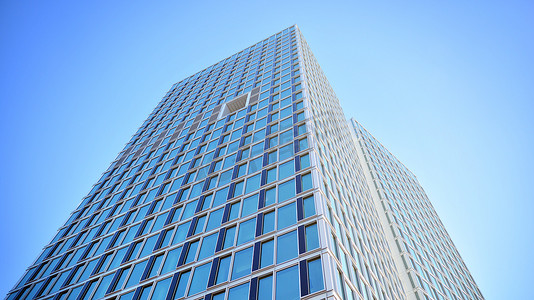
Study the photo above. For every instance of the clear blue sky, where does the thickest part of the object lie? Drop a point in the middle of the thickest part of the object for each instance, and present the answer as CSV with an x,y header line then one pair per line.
x,y
447,87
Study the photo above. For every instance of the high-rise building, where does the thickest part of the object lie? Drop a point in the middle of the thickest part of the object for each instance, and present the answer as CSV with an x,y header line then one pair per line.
x,y
247,182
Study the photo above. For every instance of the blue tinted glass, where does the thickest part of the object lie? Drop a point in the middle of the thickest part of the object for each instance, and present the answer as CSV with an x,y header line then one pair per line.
x,y
229,237
286,190
287,215
161,289
200,279
265,288
171,261
182,284
270,196
315,275
208,246
287,169
103,287
287,247
246,231
155,266
312,238
135,276
268,222
287,284
250,205
239,292
214,219
307,182
242,263
267,253
253,183
192,252
224,268
309,207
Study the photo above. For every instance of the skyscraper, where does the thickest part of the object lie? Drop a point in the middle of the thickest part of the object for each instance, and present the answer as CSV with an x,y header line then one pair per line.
x,y
247,182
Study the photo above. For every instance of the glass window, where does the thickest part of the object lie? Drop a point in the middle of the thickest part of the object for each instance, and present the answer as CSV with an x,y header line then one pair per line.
x,y
191,253
287,284
265,288
242,263
161,289
312,238
286,190
270,196
307,182
215,219
136,274
103,287
229,237
182,284
224,268
315,275
286,151
171,261
287,248
309,207
181,233
250,205
304,161
122,278
208,246
155,266
253,183
268,222
200,279
287,215
220,197
246,232
267,253
239,292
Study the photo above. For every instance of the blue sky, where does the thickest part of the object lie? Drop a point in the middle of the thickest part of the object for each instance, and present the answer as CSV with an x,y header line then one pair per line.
x,y
446,87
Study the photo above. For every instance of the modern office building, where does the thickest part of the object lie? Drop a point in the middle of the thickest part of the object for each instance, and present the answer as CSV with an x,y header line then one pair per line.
x,y
247,182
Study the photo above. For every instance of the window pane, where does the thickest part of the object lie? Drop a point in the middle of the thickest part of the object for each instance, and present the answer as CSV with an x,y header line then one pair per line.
x,y
200,279
246,231
171,260
242,263
215,219
253,183
239,292
287,169
265,288
286,151
287,215
136,274
268,222
208,246
229,237
315,275
287,284
250,205
161,289
155,266
267,253
224,268
286,190
270,196
312,238
309,207
182,284
287,247
307,182
191,253
103,287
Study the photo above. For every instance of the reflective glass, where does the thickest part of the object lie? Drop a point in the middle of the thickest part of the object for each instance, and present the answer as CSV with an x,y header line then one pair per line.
x,y
287,284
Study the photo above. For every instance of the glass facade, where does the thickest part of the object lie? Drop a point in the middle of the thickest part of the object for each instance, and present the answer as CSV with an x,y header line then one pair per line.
x,y
245,182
